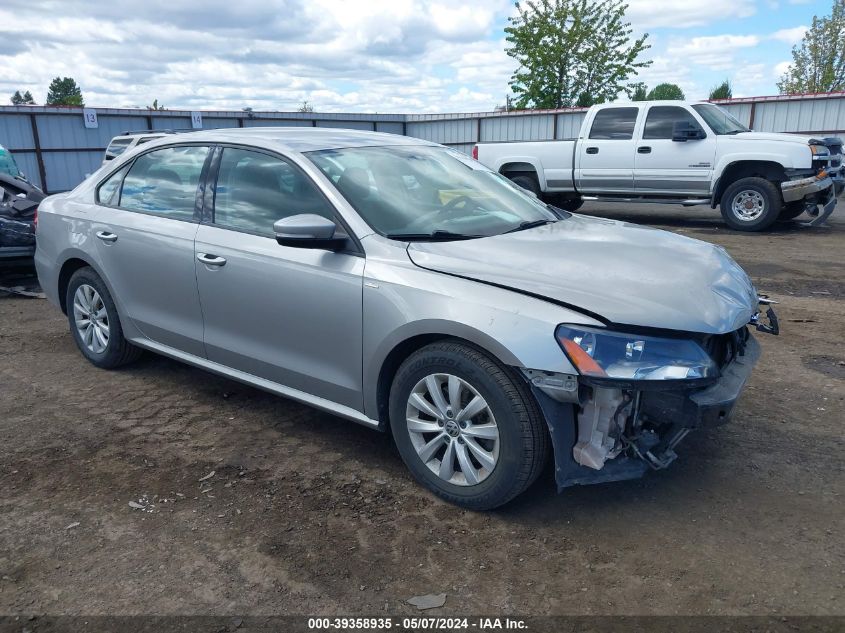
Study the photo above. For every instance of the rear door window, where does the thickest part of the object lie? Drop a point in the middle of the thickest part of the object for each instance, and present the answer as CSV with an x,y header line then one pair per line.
x,y
614,124
661,120
164,182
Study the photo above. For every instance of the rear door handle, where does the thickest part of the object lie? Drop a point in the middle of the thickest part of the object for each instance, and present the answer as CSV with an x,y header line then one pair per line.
x,y
106,236
645,149
592,150
211,260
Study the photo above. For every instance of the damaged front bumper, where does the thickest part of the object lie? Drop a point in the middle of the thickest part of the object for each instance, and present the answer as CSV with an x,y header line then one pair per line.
x,y
611,432
819,193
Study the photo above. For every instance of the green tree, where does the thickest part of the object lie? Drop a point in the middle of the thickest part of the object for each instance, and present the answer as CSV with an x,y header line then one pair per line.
x,y
722,91
666,91
64,91
22,99
155,106
638,91
305,107
818,62
571,52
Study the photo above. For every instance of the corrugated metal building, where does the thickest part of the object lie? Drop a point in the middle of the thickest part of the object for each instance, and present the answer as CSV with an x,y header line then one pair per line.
x,y
55,149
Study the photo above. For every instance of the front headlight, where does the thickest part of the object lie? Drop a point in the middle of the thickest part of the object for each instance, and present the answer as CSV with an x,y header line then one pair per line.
x,y
602,354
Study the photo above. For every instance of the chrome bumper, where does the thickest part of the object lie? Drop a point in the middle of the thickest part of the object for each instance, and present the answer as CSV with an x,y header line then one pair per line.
x,y
798,189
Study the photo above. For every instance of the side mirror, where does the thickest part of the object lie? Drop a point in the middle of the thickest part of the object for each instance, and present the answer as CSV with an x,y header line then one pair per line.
x,y
308,230
683,131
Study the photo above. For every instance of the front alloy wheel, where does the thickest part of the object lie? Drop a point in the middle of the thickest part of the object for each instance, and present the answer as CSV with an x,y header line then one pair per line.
x,y
453,429
468,428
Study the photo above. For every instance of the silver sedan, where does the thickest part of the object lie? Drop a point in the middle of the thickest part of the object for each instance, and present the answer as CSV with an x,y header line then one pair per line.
x,y
404,286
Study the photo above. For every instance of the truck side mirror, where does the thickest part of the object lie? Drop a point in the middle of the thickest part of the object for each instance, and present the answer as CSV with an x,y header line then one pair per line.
x,y
683,131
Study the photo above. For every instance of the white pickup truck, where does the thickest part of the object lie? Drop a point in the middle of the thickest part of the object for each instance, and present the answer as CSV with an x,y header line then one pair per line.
x,y
678,152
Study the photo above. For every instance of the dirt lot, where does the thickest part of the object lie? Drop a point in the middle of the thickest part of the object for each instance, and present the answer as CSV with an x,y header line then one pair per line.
x,y
309,514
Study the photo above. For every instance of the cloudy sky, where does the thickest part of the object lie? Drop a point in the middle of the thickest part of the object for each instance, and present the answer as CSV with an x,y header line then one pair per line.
x,y
357,55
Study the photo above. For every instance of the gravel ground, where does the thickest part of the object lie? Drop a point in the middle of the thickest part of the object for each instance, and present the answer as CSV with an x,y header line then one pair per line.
x,y
308,514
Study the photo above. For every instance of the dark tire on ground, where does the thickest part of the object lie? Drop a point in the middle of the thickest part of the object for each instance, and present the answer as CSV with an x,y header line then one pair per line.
x,y
527,181
791,210
523,435
751,204
118,351
568,204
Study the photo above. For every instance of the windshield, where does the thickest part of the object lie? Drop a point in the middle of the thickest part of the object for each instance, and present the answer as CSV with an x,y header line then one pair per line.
x,y
421,192
7,164
719,120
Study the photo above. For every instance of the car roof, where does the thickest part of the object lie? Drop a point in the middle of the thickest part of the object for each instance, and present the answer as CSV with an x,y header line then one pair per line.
x,y
297,139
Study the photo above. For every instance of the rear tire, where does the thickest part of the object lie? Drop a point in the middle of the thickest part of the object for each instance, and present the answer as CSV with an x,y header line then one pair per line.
x,y
751,204
441,447
528,182
94,322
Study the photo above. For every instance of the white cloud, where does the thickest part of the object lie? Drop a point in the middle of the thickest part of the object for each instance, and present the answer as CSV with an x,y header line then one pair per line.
x,y
645,14
790,36
716,52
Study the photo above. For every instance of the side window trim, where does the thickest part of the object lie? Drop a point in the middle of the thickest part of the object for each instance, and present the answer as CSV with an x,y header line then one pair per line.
x,y
636,119
210,197
199,195
686,113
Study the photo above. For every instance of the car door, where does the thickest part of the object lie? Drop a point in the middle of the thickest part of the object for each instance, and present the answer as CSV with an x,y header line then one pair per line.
x,y
605,158
286,314
145,242
668,167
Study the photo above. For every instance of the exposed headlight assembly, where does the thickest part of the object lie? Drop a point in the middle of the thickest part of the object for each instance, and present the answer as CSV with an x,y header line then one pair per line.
x,y
599,353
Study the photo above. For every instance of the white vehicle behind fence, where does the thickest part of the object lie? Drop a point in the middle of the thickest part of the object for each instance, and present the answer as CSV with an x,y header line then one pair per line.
x,y
678,152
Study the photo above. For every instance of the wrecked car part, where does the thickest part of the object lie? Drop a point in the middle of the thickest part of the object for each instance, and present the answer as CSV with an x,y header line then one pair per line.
x,y
622,428
561,387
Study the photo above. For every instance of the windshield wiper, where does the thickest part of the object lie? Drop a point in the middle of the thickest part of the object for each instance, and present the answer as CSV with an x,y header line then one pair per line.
x,y
434,236
529,225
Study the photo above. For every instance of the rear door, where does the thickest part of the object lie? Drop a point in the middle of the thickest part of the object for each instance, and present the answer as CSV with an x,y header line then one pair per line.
x,y
289,315
667,167
145,241
605,158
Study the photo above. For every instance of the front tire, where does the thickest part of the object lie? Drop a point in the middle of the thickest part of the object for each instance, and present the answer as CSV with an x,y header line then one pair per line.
x,y
751,204
466,428
94,322
792,210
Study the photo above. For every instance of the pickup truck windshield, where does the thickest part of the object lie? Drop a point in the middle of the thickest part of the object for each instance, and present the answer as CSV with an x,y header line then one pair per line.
x,y
719,120
420,192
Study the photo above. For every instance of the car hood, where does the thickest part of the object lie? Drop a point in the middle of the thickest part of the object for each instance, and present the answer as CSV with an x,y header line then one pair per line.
x,y
624,273
772,136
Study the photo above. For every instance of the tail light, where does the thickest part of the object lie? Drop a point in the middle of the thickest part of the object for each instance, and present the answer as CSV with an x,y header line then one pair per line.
x,y
35,220
475,152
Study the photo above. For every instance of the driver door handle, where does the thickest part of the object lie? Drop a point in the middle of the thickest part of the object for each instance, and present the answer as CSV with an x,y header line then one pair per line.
x,y
592,150
106,236
644,149
211,260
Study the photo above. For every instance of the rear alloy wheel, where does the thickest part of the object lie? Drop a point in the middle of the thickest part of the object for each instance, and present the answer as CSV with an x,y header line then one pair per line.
x,y
751,204
468,430
94,322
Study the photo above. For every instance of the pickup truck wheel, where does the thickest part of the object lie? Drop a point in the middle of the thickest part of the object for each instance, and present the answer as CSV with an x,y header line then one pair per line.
x,y
792,210
571,204
751,204
527,181
94,322
466,428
